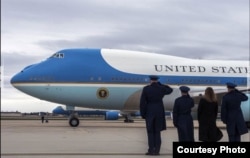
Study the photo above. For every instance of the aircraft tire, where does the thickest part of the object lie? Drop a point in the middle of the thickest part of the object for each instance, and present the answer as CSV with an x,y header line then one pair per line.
x,y
74,122
128,121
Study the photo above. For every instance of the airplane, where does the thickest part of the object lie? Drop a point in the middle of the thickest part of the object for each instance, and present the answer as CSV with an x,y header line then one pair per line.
x,y
113,79
108,114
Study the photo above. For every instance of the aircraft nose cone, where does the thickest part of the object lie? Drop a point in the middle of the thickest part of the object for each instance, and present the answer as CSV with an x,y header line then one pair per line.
x,y
16,79
22,76
13,80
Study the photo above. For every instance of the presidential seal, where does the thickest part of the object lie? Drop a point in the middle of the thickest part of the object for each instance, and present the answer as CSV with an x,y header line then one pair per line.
x,y
102,93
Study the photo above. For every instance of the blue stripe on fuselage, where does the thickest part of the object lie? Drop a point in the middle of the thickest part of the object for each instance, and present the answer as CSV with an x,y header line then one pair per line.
x,y
88,65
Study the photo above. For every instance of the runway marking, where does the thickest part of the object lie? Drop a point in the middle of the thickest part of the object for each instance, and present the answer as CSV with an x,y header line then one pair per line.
x,y
75,154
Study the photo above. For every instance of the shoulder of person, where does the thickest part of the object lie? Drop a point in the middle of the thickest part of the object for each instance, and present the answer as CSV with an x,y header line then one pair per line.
x,y
179,98
228,94
207,101
203,99
147,86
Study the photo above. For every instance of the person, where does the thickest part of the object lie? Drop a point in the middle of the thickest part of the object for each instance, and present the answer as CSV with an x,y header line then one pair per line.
x,y
152,110
207,115
47,117
182,118
42,116
231,113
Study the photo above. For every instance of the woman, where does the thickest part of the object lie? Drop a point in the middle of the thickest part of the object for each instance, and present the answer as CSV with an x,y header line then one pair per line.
x,y
207,114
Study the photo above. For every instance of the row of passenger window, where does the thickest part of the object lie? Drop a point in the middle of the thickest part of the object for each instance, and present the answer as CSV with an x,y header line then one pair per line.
x,y
169,81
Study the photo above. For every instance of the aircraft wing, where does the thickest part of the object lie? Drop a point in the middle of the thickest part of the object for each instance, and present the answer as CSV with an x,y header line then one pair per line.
x,y
196,95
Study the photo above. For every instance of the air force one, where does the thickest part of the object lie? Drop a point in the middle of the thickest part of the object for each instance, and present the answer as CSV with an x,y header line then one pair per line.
x,y
113,79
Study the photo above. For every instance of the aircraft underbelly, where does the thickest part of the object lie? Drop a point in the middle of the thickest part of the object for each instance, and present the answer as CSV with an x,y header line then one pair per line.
x,y
83,96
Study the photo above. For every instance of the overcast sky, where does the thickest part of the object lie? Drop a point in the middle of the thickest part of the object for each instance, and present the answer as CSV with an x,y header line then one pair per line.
x,y
32,30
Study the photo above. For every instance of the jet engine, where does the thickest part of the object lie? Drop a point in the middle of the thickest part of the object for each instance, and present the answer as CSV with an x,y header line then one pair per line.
x,y
112,115
245,107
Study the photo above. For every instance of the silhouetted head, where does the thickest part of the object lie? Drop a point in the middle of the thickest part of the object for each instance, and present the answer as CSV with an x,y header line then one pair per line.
x,y
210,95
153,78
231,85
184,89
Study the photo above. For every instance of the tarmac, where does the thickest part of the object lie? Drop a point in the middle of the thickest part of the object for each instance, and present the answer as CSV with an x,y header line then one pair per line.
x,y
91,139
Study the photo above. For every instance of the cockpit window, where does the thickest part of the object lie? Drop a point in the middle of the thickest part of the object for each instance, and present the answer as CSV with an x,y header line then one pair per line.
x,y
58,55
61,55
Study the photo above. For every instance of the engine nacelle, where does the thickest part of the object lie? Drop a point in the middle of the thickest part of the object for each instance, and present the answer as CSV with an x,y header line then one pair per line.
x,y
245,107
60,111
112,115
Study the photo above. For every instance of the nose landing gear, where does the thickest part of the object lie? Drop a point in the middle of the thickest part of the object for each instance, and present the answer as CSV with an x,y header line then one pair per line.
x,y
73,120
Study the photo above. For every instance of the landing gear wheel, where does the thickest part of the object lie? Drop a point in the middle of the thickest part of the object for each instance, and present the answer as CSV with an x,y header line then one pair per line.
x,y
74,122
128,121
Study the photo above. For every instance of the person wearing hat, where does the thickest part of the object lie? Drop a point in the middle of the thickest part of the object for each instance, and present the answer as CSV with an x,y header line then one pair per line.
x,y
182,118
231,113
152,110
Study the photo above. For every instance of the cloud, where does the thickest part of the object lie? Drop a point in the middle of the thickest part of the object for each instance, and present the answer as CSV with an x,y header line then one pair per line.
x,y
208,29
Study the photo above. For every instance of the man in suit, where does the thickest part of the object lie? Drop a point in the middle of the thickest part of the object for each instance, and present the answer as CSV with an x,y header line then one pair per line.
x,y
231,113
152,110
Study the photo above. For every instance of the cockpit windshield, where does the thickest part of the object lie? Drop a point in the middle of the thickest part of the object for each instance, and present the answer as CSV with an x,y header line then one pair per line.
x,y
57,55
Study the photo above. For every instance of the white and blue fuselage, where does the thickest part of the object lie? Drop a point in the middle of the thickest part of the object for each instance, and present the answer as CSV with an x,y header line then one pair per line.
x,y
113,79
